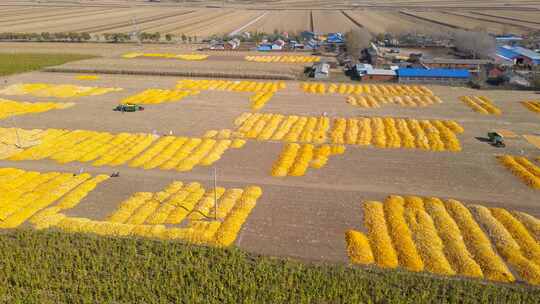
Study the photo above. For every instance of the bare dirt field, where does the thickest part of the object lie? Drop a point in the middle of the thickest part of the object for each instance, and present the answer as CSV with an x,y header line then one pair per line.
x,y
306,216
292,16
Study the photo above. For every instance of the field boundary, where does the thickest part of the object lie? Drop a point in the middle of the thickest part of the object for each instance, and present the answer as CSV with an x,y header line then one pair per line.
x,y
174,74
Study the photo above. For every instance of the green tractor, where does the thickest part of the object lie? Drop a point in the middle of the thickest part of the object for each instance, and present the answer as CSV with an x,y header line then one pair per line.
x,y
128,107
496,140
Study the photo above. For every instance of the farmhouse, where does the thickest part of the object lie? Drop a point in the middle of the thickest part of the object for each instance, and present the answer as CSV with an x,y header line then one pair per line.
x,y
442,76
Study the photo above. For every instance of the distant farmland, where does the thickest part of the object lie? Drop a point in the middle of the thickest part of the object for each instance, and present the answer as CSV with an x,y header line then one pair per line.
x,y
165,18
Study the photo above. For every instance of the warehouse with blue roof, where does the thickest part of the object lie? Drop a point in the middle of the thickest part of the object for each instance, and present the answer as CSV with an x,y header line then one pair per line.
x,y
517,55
442,76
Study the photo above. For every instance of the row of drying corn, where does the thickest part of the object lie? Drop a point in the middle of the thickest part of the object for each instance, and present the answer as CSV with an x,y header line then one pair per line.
x,y
55,90
156,96
11,108
295,159
137,150
383,90
446,237
230,85
87,77
190,206
24,193
370,101
533,106
190,57
279,127
14,140
523,168
283,59
260,99
382,132
481,104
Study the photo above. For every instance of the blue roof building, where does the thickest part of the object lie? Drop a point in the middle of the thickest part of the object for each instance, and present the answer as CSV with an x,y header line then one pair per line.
x,y
517,55
445,76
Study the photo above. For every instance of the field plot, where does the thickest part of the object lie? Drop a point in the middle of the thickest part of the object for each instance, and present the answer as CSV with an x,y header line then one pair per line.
x,y
292,21
331,21
445,237
377,21
465,22
530,18
512,26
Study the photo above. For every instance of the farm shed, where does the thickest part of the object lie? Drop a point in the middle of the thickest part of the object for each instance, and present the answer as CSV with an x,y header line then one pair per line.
x,y
320,70
442,76
518,55
379,75
469,64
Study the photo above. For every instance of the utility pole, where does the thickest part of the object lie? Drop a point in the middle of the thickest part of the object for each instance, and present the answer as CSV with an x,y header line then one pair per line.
x,y
215,194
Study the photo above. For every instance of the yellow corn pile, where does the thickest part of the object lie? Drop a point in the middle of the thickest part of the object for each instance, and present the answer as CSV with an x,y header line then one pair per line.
x,y
374,90
374,101
190,57
523,168
103,148
55,90
445,237
13,140
533,106
156,96
188,210
481,104
382,132
24,193
260,99
87,77
11,108
295,159
283,59
230,85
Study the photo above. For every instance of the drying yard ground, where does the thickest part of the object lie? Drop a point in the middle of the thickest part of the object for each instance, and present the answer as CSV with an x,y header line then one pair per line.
x,y
292,16
304,217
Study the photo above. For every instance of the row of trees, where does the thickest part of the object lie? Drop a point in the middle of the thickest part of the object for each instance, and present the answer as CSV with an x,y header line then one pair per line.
x,y
83,37
476,43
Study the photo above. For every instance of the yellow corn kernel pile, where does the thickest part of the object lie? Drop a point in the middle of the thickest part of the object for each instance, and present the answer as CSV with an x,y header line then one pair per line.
x,y
523,168
284,59
138,149
295,159
14,140
382,132
190,57
55,90
481,104
188,210
87,77
260,99
11,108
445,237
156,96
230,85
533,106
374,90
24,193
371,101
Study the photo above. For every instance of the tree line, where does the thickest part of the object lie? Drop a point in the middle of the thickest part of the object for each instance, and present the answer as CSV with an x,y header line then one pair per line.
x,y
86,37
